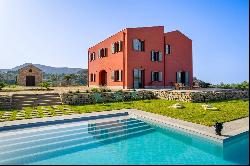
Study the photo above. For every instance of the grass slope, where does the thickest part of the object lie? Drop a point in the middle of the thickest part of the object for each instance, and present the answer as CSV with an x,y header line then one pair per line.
x,y
193,112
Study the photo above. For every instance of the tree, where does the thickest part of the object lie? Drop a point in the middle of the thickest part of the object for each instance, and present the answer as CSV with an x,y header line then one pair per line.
x,y
69,77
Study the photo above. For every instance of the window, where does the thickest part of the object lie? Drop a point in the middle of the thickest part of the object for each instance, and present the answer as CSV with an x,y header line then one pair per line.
x,y
156,56
116,47
92,77
116,75
103,52
156,76
167,49
30,70
138,45
92,56
182,77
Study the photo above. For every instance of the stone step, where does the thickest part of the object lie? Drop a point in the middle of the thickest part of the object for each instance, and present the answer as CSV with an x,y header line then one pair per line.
x,y
46,98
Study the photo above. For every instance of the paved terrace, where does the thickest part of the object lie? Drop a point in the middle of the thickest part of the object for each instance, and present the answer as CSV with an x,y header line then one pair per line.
x,y
230,129
38,90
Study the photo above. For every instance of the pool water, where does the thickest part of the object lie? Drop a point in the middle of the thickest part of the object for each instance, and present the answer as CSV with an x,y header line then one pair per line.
x,y
120,141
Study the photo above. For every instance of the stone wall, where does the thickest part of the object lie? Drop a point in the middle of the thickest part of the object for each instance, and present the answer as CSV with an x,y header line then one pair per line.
x,y
29,70
90,98
5,102
201,96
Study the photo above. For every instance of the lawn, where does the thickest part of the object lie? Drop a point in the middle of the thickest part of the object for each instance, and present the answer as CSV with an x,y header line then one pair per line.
x,y
193,112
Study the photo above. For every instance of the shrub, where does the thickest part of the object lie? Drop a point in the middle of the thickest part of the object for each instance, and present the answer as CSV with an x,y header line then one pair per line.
x,y
45,85
94,90
2,85
108,90
241,86
104,90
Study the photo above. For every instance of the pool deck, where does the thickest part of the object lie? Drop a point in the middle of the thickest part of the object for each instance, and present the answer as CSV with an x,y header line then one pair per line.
x,y
230,130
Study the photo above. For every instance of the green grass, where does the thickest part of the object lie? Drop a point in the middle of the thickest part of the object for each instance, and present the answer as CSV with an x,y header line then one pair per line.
x,y
193,112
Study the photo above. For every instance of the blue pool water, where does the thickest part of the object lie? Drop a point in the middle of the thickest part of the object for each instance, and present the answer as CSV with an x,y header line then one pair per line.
x,y
128,141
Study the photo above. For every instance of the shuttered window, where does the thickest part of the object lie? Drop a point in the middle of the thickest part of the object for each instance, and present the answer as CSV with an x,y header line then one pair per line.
x,y
138,45
156,76
116,75
102,52
156,56
92,56
116,47
92,77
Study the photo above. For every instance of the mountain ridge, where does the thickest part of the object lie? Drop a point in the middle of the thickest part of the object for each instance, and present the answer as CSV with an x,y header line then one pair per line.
x,y
47,69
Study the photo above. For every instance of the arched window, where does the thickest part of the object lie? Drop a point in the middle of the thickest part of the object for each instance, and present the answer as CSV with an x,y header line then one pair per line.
x,y
30,70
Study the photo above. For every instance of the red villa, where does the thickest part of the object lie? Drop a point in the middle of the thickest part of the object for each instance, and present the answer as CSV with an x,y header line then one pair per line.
x,y
143,57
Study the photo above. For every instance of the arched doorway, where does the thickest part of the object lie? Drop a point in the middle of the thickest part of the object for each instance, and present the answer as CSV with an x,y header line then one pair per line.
x,y
103,78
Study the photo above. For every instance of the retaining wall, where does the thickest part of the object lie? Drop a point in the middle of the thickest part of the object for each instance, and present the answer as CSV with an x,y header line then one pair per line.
x,y
201,96
5,102
90,98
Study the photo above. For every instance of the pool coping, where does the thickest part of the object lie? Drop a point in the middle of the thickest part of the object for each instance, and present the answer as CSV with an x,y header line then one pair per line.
x,y
231,129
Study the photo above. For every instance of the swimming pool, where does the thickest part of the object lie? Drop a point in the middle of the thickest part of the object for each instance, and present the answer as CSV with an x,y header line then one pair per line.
x,y
117,141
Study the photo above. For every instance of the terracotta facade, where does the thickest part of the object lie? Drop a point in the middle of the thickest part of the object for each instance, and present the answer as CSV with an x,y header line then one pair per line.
x,y
160,60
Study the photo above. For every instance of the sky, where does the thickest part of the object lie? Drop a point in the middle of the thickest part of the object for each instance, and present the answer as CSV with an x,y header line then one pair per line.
x,y
59,32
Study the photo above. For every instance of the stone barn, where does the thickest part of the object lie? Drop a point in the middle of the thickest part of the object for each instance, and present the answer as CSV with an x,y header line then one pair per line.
x,y
29,76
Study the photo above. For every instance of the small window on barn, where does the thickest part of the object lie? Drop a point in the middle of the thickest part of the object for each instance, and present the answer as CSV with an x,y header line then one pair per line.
x,y
30,70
